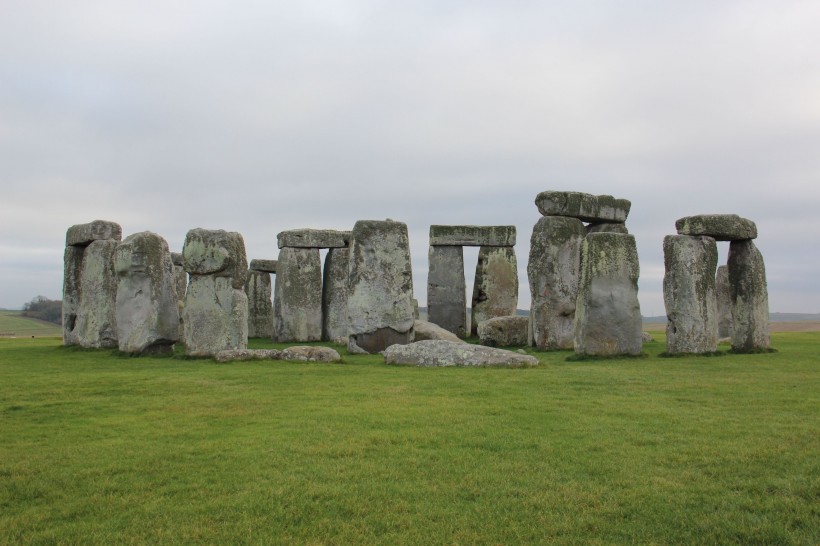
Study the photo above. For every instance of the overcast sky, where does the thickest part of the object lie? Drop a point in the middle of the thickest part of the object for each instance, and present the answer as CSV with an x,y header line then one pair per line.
x,y
263,116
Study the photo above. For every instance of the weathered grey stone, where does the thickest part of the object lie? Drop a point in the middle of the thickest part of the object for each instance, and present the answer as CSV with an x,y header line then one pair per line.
x,y
181,280
472,235
380,293
446,289
608,315
72,275
297,300
96,323
583,206
147,307
750,297
313,238
311,354
265,266
98,230
215,316
554,270
334,294
723,294
415,308
689,294
216,252
495,288
427,330
451,353
176,258
607,227
248,354
260,308
721,227
504,331
646,337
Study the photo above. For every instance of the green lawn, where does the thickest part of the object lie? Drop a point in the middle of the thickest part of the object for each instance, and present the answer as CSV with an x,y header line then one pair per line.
x,y
97,448
13,324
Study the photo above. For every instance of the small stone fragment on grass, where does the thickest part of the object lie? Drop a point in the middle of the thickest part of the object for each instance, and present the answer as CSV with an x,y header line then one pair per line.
x,y
247,354
434,353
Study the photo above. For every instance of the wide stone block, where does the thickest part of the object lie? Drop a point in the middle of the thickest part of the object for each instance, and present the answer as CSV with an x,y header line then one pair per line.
x,y
96,322
583,206
554,270
216,252
334,294
215,316
313,238
176,258
721,227
504,331
297,300
689,294
260,306
608,315
750,297
607,227
495,288
472,235
723,294
434,353
265,266
446,289
98,230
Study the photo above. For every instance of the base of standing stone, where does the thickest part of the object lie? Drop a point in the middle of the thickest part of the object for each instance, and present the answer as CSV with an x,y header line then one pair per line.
x,y
374,342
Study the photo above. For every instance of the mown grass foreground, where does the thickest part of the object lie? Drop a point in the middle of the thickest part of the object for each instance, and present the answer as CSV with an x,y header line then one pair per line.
x,y
99,449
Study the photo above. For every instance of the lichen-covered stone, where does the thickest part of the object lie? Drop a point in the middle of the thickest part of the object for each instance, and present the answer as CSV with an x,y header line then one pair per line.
x,y
723,294
554,270
495,288
446,289
472,235
380,293
215,316
310,354
297,299
434,353
750,297
265,266
98,230
176,258
260,307
689,294
583,206
147,307
96,323
334,294
72,275
509,331
247,354
427,330
721,227
216,252
608,315
607,227
313,238
181,280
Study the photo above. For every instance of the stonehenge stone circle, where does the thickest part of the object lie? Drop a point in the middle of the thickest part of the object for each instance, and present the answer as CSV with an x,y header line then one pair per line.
x,y
147,306
749,297
297,301
608,315
436,353
721,227
215,314
585,207
495,288
380,293
504,331
689,294
723,294
334,294
446,289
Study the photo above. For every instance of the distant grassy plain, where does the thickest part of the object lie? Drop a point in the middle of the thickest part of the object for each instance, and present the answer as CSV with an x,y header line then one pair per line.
x,y
97,448
14,324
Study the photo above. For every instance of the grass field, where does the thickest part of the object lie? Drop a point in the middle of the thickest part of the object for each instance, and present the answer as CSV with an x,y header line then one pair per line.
x,y
97,448
13,324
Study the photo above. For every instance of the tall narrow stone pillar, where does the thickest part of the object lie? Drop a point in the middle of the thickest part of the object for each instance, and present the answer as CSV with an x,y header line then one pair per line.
x,y
446,289
258,290
750,297
495,289
297,299
724,302
334,294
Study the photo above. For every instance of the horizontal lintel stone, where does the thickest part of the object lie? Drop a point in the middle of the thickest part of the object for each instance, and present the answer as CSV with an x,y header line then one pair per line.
x,y
721,227
313,238
583,206
472,235
266,266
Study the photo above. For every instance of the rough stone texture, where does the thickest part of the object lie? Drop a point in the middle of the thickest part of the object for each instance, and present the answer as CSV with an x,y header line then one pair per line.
x,y
72,273
472,235
427,330
451,353
750,297
147,307
721,227
98,230
689,294
723,294
181,281
446,289
583,206
554,270
380,293
495,288
96,322
176,259
215,316
607,227
265,266
260,307
334,294
608,315
504,331
313,238
248,354
297,300
216,252
646,337
310,354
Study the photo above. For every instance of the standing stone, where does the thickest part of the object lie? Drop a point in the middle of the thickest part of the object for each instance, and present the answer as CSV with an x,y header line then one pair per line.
x,y
749,296
689,294
181,278
495,288
297,299
446,289
216,307
380,293
608,315
260,308
72,275
554,269
724,302
147,306
334,294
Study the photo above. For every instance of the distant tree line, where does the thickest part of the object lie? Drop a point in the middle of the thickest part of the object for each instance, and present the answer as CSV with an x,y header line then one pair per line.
x,y
42,308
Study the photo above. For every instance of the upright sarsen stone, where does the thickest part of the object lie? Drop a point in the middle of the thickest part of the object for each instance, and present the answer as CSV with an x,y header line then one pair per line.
x,y
334,294
495,288
446,289
297,299
260,308
723,294
608,315
750,297
72,277
380,293
689,294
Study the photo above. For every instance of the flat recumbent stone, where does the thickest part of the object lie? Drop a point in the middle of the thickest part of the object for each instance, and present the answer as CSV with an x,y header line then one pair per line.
x,y
583,206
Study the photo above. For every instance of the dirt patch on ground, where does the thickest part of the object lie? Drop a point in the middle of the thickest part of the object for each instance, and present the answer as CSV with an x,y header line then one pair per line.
x,y
798,326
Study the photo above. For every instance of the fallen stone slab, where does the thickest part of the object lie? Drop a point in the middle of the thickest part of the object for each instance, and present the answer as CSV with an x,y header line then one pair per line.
x,y
313,238
434,353
310,354
472,235
98,230
265,266
721,227
427,330
504,331
231,355
583,206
